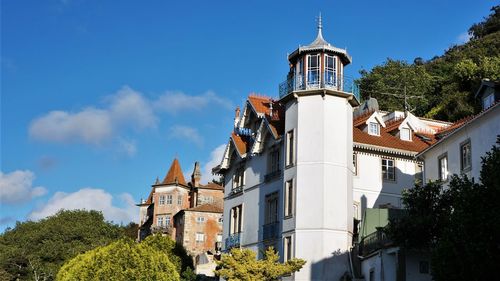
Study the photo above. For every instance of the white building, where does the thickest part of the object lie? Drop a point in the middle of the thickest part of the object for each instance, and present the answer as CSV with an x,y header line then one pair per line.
x,y
299,171
461,146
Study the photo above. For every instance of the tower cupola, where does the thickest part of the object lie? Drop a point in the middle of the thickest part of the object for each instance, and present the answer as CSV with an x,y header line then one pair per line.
x,y
319,65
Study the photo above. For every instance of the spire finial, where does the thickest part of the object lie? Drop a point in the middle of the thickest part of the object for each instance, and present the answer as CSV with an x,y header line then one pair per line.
x,y
320,24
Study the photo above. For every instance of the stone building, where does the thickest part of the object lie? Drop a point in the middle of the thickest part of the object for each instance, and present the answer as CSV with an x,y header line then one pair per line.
x,y
188,212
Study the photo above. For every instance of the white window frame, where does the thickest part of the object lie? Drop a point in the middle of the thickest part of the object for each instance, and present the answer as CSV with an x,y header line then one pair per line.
x,y
159,221
236,220
374,129
168,220
405,134
179,199
443,171
331,71
311,70
289,198
200,219
465,156
169,199
287,248
386,175
290,148
200,237
239,177
161,200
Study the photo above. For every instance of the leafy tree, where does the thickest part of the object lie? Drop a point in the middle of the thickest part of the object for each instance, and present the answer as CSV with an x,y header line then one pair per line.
x,y
36,250
176,252
459,225
121,260
241,264
446,84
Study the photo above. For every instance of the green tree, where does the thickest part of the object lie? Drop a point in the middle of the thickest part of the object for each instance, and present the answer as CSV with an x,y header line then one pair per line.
x,y
121,260
36,250
241,264
459,225
176,252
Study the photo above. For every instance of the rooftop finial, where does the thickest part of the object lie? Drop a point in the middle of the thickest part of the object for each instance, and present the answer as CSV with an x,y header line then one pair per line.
x,y
320,24
319,38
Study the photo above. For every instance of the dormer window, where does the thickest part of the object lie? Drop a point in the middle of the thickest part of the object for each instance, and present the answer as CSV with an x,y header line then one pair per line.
x,y
374,129
405,134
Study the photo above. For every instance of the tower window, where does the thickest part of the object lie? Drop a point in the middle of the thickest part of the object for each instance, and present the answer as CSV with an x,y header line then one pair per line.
x,y
330,71
374,129
313,70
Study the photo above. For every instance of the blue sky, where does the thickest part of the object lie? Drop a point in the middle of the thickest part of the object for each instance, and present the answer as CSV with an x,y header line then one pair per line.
x,y
98,97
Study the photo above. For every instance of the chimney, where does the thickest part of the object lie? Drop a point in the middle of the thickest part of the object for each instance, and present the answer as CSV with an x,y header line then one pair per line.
x,y
236,116
196,176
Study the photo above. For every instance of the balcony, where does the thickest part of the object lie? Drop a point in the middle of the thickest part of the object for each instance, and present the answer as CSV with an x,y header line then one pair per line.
x,y
233,240
271,231
236,190
373,242
327,80
163,229
272,175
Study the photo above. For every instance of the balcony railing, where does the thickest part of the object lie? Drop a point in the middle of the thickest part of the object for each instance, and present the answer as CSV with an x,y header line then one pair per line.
x,y
236,190
233,240
326,80
271,230
161,229
272,175
374,241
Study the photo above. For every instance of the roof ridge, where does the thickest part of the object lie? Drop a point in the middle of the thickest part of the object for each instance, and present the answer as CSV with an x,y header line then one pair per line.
x,y
174,174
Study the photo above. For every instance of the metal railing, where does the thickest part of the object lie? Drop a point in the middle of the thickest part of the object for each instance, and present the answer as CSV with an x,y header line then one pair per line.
x,y
236,190
326,80
270,230
374,241
233,240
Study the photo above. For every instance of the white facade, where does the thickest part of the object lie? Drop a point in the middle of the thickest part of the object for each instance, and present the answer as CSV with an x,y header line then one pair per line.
x,y
481,133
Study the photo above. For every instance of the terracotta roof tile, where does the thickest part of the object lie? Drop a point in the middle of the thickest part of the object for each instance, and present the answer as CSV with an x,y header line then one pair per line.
x,y
212,185
174,174
387,140
242,143
393,124
211,208
360,120
262,105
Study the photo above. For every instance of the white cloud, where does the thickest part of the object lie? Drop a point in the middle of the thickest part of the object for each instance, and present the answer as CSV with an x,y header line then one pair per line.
x,y
186,133
92,125
17,187
464,37
89,199
127,146
174,102
215,159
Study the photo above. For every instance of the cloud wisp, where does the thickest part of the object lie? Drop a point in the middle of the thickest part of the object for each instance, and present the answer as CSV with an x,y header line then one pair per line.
x,y
186,133
17,187
175,102
89,199
215,159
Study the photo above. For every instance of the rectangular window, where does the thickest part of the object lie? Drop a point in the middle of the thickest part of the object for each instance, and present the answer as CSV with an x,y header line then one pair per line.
x,y
169,199
466,157
355,163
287,248
443,167
219,237
200,219
167,220
271,209
419,173
239,177
236,219
159,221
330,70
299,80
388,169
274,161
405,134
200,237
313,70
161,201
424,267
289,195
179,199
374,129
290,148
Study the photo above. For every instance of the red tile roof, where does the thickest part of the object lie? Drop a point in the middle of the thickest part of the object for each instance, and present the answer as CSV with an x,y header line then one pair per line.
x,y
211,208
242,143
360,120
262,105
393,124
174,174
389,141
212,185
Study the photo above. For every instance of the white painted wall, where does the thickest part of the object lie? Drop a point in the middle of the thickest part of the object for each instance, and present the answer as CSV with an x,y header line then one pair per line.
x,y
482,133
370,190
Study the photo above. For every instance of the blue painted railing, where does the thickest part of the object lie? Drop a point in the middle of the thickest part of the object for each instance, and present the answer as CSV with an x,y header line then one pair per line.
x,y
233,240
327,80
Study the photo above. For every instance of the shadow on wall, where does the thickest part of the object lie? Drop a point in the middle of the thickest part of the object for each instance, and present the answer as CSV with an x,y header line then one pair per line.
x,y
338,262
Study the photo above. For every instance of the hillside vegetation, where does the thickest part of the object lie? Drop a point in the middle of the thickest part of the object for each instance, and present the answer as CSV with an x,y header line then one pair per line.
x,y
444,86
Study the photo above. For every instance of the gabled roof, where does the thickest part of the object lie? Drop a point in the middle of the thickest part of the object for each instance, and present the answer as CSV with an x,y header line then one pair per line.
x,y
174,175
386,140
242,143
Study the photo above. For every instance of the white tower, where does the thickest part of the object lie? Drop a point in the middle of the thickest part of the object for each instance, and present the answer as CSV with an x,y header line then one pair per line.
x,y
318,156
